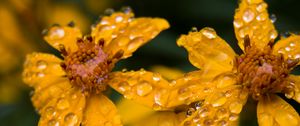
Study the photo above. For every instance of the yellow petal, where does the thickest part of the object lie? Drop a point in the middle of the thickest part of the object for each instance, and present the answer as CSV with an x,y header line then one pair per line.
x,y
40,68
252,18
222,107
121,31
48,90
274,111
296,81
100,111
289,47
63,35
161,119
152,90
207,51
131,111
64,110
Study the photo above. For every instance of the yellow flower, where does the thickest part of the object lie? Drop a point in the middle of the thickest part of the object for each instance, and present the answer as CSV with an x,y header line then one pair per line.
x,y
219,90
69,91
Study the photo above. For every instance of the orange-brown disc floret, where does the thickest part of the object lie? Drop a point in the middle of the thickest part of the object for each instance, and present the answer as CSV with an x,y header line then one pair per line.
x,y
88,67
262,72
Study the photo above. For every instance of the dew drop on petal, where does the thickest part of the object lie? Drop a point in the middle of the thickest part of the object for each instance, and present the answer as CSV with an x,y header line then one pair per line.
x,y
238,23
261,7
233,117
53,122
219,100
157,106
194,29
292,44
58,33
156,77
235,107
40,74
119,18
123,86
208,122
204,111
50,112
297,56
273,18
143,88
287,49
273,34
223,123
261,17
41,64
222,113
62,103
190,111
248,15
209,33
71,119
128,95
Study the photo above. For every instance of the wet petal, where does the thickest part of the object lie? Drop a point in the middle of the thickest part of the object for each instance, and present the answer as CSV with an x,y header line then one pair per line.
x,y
296,81
121,31
154,91
252,18
64,110
283,114
63,35
40,68
161,119
289,47
100,111
208,51
220,108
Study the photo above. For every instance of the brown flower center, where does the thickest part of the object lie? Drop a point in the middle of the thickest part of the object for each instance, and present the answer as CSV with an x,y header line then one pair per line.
x,y
262,72
88,67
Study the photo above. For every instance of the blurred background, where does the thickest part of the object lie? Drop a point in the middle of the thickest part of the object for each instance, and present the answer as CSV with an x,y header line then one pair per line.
x,y
22,22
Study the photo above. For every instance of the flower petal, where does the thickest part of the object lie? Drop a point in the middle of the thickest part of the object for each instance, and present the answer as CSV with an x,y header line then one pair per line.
x,y
296,81
121,31
65,109
63,35
222,107
289,47
100,111
40,68
252,18
208,51
273,111
152,90
161,119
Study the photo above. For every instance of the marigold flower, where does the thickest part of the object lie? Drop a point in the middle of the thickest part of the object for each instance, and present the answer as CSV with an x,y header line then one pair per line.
x,y
69,91
219,90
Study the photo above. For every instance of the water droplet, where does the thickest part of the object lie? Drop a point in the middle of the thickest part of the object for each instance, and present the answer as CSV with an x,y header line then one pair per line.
x,y
262,17
109,11
128,94
225,80
222,113
126,9
237,23
273,18
261,7
285,118
190,111
156,77
292,44
235,107
297,56
287,49
57,33
223,123
71,119
53,122
62,103
50,112
248,15
157,106
204,111
244,31
123,86
194,29
209,33
233,117
119,18
208,122
40,74
143,88
41,64
273,34
219,100
199,104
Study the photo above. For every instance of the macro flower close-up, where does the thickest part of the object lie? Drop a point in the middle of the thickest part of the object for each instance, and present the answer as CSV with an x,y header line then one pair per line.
x,y
71,91
218,91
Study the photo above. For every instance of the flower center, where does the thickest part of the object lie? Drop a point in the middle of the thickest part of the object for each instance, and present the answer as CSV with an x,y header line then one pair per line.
x,y
262,72
88,67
